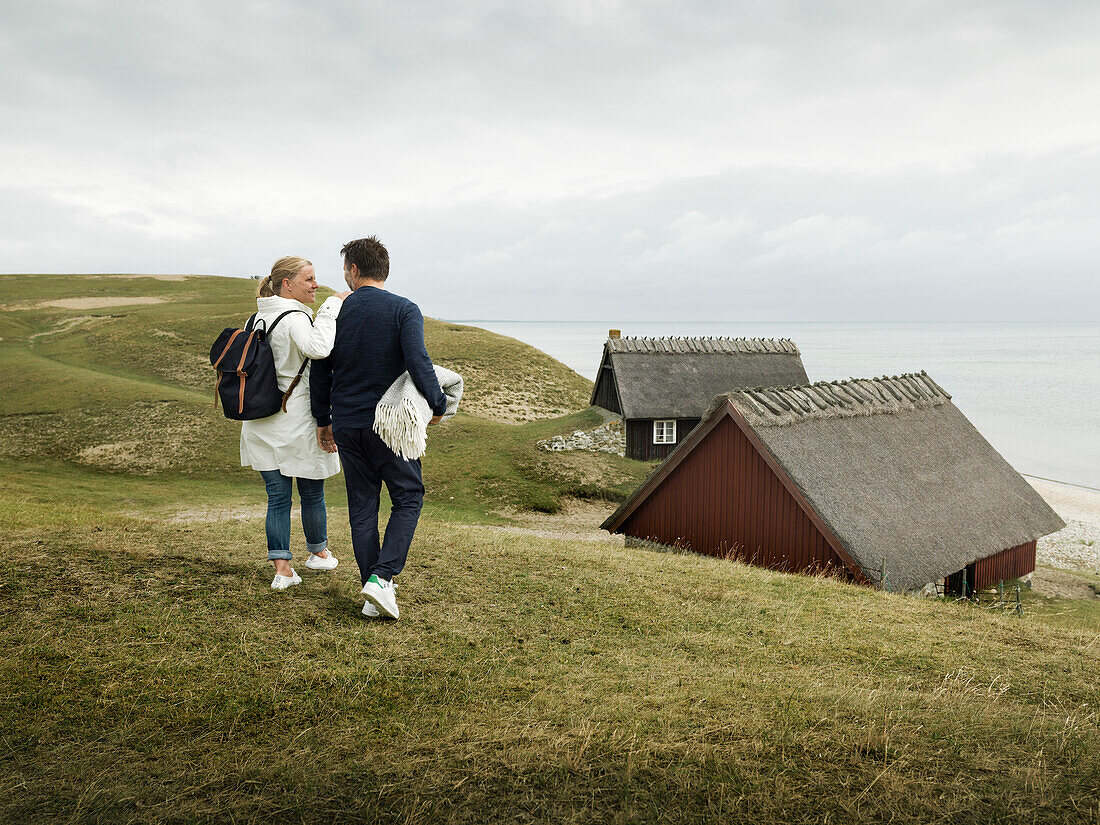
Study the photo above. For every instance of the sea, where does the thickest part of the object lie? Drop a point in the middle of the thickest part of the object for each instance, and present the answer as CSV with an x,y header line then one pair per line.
x,y
1030,389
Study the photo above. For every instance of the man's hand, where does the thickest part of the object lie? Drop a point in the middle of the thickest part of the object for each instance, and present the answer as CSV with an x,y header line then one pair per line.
x,y
325,439
435,419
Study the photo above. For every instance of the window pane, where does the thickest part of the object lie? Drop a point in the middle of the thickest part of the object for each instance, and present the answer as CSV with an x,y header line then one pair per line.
x,y
664,432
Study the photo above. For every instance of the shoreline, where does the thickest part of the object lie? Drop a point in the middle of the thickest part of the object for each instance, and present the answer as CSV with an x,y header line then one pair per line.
x,y
1074,502
1076,547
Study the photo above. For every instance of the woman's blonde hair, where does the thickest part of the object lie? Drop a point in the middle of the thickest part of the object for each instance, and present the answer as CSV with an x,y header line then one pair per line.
x,y
282,270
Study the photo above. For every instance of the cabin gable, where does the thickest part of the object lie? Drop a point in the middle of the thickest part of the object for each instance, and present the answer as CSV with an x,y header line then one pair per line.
x,y
723,499
605,392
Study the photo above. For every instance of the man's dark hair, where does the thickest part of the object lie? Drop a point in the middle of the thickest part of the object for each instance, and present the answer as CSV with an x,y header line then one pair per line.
x,y
370,256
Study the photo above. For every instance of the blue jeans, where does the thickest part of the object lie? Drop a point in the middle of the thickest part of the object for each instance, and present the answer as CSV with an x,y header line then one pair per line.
x,y
280,490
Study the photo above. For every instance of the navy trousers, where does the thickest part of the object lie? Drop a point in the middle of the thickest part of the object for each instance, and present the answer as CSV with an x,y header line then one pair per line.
x,y
367,463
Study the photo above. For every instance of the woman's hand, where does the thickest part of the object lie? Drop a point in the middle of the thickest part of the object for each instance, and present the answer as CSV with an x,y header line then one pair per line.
x,y
344,294
325,439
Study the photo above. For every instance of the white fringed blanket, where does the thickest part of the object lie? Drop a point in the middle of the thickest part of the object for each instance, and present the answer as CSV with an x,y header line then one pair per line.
x,y
402,415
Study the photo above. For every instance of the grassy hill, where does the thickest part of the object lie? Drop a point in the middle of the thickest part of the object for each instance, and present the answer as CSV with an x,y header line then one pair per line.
x,y
150,674
111,374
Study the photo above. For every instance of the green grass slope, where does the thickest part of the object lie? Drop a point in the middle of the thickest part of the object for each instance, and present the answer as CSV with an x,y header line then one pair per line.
x,y
110,375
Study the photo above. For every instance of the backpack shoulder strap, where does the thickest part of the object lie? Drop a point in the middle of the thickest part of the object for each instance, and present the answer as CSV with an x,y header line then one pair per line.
x,y
294,383
282,315
301,369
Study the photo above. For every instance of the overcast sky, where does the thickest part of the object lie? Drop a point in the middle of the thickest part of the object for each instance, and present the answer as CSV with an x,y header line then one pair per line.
x,y
571,159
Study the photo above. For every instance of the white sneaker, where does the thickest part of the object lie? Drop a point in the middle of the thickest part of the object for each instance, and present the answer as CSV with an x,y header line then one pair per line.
x,y
381,593
370,611
283,582
315,562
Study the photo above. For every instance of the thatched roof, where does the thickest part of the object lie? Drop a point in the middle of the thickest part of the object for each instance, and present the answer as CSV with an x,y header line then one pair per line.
x,y
836,399
678,377
703,345
894,471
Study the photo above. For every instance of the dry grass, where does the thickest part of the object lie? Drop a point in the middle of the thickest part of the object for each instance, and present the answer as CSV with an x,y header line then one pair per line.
x,y
153,676
505,380
142,438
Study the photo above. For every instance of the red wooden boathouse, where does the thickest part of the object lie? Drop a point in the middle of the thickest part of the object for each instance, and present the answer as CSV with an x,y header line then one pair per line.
x,y
853,477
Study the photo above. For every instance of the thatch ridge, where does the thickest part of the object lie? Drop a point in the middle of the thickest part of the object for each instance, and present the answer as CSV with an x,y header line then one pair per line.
x,y
707,344
782,406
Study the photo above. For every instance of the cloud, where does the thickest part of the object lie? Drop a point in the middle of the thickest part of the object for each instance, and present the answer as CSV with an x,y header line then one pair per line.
x,y
560,156
816,236
1059,204
695,235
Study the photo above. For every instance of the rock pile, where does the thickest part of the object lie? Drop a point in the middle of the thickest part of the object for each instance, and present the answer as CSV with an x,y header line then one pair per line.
x,y
607,438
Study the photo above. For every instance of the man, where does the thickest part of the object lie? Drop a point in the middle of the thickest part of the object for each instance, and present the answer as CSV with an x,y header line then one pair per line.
x,y
379,336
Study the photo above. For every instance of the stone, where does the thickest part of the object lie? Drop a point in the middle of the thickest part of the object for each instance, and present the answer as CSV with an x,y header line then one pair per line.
x,y
607,438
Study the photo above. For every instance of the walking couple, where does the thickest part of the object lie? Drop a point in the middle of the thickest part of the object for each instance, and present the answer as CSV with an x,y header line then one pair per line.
x,y
362,342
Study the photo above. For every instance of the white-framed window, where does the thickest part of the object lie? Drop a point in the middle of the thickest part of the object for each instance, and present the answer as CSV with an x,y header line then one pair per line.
x,y
664,432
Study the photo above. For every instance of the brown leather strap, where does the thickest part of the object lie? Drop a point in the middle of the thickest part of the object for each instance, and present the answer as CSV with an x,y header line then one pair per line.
x,y
241,374
294,383
228,344
218,383
244,352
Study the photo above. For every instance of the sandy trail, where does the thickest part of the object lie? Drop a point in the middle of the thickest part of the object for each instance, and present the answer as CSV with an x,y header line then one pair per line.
x,y
100,303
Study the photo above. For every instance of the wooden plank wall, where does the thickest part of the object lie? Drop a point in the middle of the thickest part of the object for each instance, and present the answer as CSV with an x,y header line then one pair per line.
x,y
1008,564
606,394
639,438
724,500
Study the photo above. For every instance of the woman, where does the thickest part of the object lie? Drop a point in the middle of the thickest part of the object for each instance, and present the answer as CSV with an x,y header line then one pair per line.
x,y
283,446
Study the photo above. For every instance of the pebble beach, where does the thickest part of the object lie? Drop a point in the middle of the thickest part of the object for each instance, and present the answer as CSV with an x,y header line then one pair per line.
x,y
1076,548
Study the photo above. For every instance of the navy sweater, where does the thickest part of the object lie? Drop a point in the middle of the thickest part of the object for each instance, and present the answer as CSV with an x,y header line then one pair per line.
x,y
379,336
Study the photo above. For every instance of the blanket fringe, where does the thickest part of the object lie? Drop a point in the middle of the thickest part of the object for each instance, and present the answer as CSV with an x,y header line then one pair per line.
x,y
400,428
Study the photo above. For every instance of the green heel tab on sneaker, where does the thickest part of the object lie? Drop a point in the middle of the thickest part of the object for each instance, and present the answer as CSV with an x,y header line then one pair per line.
x,y
375,579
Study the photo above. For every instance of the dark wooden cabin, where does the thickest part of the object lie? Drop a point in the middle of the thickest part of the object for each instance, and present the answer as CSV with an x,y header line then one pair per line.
x,y
854,477
662,386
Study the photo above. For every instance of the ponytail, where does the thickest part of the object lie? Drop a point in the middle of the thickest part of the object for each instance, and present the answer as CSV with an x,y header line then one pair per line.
x,y
282,270
264,290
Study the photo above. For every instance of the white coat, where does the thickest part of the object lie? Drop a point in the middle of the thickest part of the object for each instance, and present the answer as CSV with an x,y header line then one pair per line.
x,y
287,441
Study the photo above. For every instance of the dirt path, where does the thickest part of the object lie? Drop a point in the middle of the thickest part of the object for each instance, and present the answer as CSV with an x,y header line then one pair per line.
x,y
99,303
578,520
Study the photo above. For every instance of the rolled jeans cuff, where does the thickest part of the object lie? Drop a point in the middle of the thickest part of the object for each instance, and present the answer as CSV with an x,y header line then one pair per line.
x,y
317,549
272,555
